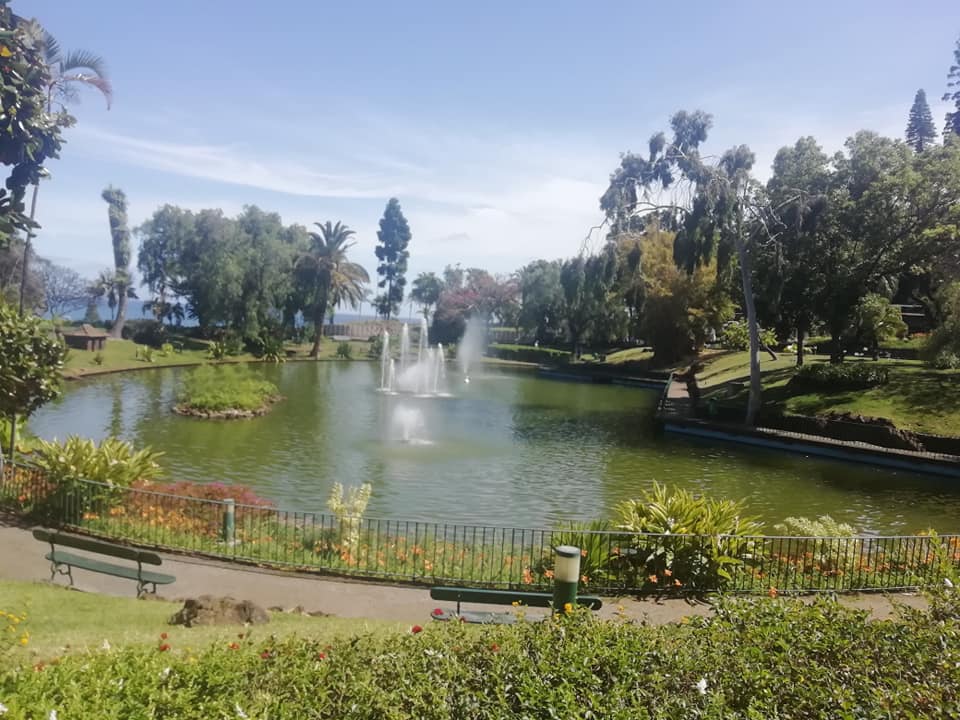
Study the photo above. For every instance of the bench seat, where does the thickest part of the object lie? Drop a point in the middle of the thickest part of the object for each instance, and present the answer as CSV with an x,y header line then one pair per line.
x,y
59,557
496,597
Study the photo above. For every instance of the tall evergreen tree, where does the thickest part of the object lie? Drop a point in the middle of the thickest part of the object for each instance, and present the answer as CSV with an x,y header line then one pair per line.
x,y
921,132
393,238
120,235
953,81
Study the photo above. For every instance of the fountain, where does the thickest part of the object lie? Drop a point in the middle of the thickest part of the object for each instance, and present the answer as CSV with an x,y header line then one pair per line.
x,y
471,347
425,375
407,425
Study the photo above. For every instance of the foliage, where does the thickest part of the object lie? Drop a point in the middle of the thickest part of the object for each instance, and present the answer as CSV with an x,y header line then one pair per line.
x,y
875,320
148,332
952,125
32,360
426,291
30,133
113,462
327,277
348,507
824,551
671,559
542,300
944,342
272,349
736,336
98,358
945,360
376,347
145,353
225,387
393,237
13,631
831,377
921,132
753,659
344,351
218,350
63,289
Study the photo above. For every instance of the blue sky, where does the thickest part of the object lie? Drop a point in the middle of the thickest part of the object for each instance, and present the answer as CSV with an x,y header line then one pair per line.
x,y
495,124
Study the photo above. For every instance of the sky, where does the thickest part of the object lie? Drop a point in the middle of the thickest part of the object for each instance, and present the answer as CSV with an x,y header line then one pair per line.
x,y
495,124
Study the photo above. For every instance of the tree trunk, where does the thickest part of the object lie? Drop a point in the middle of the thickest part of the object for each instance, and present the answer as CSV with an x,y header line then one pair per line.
x,y
756,388
25,265
13,439
801,333
116,330
318,318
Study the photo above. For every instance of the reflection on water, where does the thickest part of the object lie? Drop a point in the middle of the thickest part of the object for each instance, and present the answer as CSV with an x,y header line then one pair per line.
x,y
507,449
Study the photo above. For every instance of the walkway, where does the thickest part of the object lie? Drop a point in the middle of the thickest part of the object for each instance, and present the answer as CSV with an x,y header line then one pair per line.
x,y
21,558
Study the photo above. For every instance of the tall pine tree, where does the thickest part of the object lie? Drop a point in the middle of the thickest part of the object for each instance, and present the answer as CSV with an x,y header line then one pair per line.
x,y
921,132
393,238
953,81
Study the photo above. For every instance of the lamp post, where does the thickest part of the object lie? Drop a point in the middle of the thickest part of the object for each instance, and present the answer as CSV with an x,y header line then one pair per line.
x,y
566,576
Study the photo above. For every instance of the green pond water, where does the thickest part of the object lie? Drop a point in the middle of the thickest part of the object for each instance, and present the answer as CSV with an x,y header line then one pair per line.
x,y
509,448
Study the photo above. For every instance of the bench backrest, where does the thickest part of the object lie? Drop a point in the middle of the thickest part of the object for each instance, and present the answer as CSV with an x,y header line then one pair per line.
x,y
506,597
79,542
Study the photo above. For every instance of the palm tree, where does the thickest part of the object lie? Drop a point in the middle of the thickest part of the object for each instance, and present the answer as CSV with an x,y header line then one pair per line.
x,y
110,286
328,275
68,71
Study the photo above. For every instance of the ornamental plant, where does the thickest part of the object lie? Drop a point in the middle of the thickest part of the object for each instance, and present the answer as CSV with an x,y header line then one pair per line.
x,y
13,631
684,542
349,508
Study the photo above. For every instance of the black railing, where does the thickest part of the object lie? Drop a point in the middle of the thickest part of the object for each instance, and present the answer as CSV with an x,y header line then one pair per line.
x,y
612,561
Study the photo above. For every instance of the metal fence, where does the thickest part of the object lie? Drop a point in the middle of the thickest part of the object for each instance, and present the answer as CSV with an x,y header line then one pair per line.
x,y
501,557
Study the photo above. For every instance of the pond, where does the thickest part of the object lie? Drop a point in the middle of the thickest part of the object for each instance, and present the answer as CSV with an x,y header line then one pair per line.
x,y
507,448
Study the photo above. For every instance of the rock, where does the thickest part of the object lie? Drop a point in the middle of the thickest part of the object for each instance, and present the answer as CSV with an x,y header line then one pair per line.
x,y
210,610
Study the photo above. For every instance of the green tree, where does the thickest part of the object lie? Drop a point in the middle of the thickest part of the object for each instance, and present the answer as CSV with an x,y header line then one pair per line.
x,y
30,133
426,291
542,300
952,126
921,132
876,320
393,237
163,239
328,275
30,371
66,72
120,236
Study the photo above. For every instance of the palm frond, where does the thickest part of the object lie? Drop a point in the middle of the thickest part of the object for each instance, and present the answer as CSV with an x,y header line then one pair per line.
x,y
51,49
79,59
101,84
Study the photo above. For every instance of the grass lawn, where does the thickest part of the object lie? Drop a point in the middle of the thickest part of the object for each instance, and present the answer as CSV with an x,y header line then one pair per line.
x,y
61,621
916,398
122,355
631,355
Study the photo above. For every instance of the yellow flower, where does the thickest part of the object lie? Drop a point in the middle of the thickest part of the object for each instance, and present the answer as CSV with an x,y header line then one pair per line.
x,y
567,608
516,603
5,51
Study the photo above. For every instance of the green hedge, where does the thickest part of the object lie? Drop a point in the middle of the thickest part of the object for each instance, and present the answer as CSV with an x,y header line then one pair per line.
x,y
528,353
828,377
754,659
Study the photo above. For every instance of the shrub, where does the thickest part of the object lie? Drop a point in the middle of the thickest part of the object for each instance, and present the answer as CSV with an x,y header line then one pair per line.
x,y
945,360
166,349
148,332
376,346
218,350
349,508
816,544
225,388
98,358
145,353
596,540
753,659
830,377
736,336
528,353
693,541
344,351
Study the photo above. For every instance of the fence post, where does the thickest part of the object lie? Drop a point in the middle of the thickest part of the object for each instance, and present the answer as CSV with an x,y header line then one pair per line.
x,y
566,576
229,520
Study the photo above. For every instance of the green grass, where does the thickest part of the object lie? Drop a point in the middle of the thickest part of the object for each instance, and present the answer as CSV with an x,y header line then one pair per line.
x,y
122,355
916,397
225,387
631,355
61,620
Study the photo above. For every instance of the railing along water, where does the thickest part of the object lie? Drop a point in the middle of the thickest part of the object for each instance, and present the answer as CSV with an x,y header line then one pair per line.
x,y
489,556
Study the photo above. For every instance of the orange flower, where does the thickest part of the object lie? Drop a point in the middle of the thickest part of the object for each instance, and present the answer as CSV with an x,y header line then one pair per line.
x,y
772,592
668,572
653,578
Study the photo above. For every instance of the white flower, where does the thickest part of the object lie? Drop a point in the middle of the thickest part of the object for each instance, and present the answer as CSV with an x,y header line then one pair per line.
x,y
3,709
701,686
105,645
165,673
946,581
240,712
52,715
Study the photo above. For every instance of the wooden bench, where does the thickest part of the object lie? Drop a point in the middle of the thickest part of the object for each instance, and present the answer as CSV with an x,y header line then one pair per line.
x,y
496,597
64,562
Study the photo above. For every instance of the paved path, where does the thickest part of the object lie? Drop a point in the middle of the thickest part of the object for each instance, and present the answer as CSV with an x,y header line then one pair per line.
x,y
21,558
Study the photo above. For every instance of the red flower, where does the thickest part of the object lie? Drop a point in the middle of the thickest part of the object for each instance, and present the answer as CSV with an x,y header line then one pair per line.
x,y
266,655
416,629
233,646
321,656
494,648
437,612
163,636
163,648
